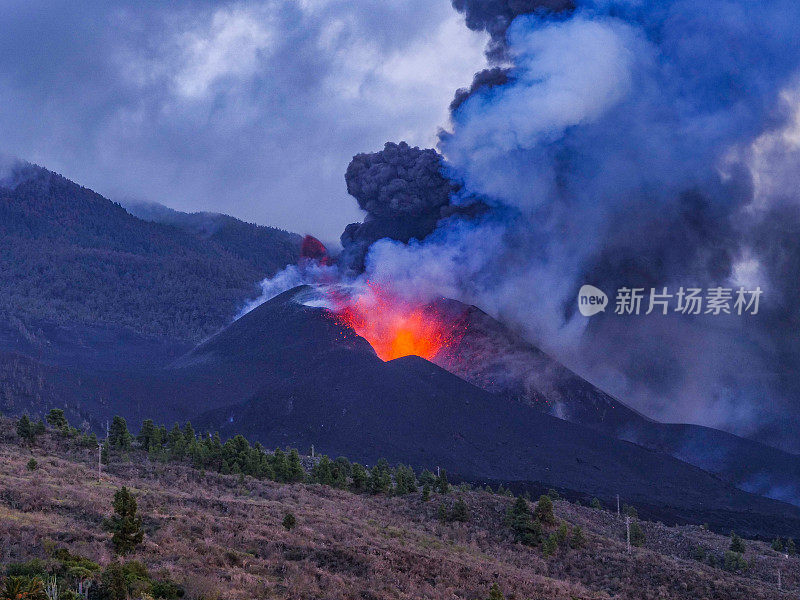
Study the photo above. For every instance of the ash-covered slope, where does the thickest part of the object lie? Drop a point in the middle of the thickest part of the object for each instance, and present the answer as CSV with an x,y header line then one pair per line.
x,y
498,360
312,380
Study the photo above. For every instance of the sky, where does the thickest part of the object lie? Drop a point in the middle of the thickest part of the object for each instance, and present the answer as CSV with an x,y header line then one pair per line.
x,y
248,108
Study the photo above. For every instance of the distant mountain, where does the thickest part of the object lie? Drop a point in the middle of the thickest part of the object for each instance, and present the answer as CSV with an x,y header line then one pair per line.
x,y
72,259
265,248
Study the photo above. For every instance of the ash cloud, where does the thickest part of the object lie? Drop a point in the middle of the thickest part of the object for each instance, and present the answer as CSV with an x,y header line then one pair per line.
x,y
404,193
495,17
643,144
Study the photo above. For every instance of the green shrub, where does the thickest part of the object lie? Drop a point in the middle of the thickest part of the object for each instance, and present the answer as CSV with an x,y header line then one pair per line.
x,y
526,530
734,561
578,540
550,545
289,521
32,465
460,512
495,593
737,543
637,534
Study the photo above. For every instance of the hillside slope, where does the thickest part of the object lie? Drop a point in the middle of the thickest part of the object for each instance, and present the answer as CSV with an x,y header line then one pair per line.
x,y
303,377
221,537
496,359
265,248
73,258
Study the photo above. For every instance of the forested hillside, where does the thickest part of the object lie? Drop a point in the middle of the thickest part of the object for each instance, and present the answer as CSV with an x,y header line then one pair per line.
x,y
263,247
72,256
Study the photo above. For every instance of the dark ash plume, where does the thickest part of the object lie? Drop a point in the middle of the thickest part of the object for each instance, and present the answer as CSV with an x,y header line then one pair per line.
x,y
483,80
405,194
495,16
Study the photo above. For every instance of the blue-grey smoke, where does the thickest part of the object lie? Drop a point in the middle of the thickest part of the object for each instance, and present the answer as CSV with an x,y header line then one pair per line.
x,y
633,143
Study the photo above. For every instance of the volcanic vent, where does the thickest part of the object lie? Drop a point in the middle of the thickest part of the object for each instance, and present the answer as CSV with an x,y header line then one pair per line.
x,y
394,326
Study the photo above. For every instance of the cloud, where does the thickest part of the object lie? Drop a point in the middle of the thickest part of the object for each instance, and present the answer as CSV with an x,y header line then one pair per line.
x,y
250,108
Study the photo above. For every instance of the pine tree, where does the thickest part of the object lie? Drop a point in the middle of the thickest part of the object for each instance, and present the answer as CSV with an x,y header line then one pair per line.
x,y
104,453
790,547
495,593
550,545
562,532
119,437
405,480
578,540
280,465
25,429
296,471
544,510
380,478
637,534
360,478
441,512
57,420
525,529
442,485
630,511
426,493
188,433
460,511
322,472
147,433
737,543
777,545
427,478
595,503
341,472
125,524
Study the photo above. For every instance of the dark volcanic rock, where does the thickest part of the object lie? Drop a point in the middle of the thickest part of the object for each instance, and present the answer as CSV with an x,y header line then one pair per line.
x,y
498,360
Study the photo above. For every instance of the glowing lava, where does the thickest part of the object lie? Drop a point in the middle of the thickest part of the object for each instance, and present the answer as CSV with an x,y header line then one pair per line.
x,y
395,327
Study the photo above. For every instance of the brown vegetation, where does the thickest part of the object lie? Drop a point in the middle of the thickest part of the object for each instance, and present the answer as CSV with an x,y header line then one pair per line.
x,y
223,537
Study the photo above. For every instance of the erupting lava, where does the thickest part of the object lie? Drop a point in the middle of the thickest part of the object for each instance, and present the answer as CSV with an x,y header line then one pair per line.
x,y
395,327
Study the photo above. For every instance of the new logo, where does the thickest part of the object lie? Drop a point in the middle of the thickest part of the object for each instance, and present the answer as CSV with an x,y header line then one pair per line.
x,y
591,300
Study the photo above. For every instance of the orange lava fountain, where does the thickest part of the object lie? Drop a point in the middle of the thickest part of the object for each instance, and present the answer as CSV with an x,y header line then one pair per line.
x,y
395,327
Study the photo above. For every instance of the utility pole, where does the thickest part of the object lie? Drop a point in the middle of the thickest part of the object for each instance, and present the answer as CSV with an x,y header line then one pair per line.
x,y
312,450
618,506
107,429
628,531
779,579
99,462
437,472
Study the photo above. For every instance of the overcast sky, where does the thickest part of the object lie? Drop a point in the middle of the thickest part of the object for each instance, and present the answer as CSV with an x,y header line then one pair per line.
x,y
248,108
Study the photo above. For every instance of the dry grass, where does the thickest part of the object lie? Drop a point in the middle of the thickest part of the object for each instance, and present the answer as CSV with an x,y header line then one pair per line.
x,y
222,538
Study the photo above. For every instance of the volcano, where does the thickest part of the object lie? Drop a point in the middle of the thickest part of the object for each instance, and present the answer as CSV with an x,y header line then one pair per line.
x,y
293,372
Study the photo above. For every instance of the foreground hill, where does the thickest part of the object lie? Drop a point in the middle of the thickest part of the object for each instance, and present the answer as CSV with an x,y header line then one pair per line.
x,y
78,270
221,537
